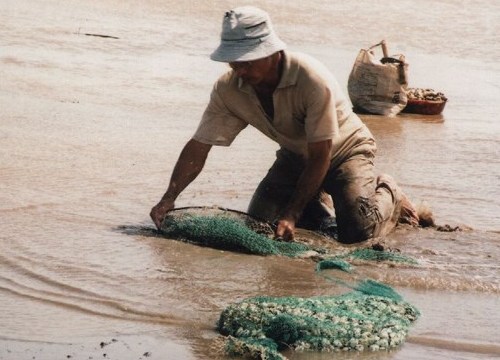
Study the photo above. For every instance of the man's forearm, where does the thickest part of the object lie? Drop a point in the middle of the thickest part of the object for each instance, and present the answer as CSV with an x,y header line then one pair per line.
x,y
310,180
188,167
307,186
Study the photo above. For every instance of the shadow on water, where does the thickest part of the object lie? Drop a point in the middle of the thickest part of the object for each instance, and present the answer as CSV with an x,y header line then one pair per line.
x,y
139,230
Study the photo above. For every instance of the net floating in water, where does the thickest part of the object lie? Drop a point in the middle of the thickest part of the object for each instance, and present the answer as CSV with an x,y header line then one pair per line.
x,y
366,254
351,322
232,230
334,263
373,317
226,233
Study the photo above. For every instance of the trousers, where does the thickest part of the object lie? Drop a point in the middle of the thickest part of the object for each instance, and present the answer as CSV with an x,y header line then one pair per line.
x,y
362,206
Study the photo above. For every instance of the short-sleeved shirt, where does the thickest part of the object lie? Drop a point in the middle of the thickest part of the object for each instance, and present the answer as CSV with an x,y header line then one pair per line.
x,y
309,107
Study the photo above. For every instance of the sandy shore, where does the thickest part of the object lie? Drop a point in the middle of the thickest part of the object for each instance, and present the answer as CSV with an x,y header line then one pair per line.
x,y
141,347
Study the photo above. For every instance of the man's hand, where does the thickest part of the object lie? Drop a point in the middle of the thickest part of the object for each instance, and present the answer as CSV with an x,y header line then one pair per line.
x,y
285,229
188,166
159,211
309,183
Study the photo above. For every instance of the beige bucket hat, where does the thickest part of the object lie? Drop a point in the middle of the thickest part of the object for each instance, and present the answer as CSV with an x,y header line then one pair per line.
x,y
247,34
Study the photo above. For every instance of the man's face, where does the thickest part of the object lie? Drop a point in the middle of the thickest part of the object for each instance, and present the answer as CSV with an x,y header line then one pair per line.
x,y
254,72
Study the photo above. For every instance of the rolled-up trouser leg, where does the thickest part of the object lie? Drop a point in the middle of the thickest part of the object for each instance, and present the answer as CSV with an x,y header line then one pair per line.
x,y
365,207
277,187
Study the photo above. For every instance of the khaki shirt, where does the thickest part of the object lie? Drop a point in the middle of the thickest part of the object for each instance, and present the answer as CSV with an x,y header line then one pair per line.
x,y
309,106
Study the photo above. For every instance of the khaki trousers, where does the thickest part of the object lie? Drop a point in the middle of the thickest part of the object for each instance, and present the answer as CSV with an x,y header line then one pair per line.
x,y
364,206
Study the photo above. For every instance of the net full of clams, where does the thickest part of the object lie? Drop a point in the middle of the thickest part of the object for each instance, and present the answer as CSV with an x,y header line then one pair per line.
x,y
370,316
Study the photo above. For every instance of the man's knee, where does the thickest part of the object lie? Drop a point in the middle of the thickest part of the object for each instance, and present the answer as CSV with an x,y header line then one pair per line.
x,y
263,208
367,219
354,236
317,210
268,201
361,222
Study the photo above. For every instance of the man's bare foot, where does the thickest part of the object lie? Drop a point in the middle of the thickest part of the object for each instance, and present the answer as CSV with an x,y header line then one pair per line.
x,y
408,213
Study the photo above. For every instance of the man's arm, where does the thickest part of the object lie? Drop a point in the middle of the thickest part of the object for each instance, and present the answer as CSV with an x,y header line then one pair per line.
x,y
308,185
188,166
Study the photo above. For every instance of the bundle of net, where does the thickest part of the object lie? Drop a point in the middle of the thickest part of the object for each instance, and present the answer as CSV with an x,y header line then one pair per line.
x,y
228,233
260,327
364,254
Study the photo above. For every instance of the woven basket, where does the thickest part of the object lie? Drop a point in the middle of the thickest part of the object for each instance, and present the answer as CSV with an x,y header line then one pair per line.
x,y
425,107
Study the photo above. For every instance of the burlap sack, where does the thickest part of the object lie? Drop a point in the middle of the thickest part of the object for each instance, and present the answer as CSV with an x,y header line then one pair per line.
x,y
378,86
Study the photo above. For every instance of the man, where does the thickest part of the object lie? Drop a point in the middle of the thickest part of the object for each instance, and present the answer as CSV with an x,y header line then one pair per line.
x,y
326,150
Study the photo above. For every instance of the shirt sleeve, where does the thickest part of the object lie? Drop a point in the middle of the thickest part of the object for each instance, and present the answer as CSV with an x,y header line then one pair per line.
x,y
218,126
321,121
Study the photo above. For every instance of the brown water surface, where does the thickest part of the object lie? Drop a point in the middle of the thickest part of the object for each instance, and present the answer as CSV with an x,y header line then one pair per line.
x,y
91,127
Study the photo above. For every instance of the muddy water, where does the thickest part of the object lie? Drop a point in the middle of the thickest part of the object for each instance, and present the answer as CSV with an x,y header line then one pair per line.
x,y
90,129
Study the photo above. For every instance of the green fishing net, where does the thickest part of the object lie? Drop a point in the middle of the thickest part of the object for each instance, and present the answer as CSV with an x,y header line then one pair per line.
x,y
377,255
340,261
334,264
373,316
233,230
253,348
353,321
227,233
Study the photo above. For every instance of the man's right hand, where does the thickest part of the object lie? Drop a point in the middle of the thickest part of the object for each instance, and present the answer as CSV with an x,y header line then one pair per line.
x,y
188,166
159,211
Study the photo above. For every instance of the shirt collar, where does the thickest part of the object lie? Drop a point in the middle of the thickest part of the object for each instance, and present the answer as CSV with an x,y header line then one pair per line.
x,y
288,76
290,71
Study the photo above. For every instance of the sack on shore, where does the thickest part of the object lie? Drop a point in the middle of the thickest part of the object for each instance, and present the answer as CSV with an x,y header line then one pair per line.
x,y
378,86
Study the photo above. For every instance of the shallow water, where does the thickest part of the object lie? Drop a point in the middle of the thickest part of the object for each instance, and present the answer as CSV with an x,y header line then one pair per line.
x,y
91,127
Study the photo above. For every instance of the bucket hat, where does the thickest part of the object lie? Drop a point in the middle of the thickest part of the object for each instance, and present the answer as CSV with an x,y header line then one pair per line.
x,y
247,34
